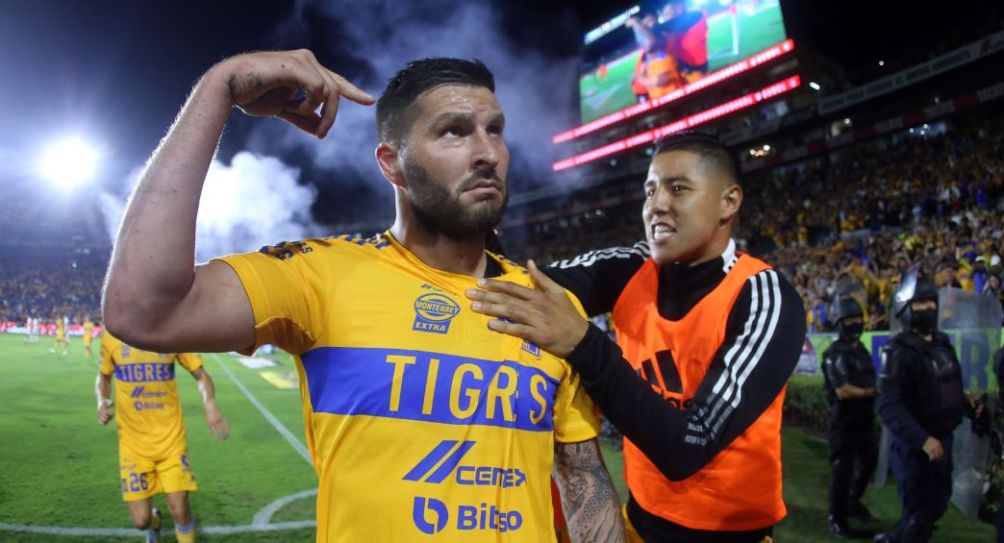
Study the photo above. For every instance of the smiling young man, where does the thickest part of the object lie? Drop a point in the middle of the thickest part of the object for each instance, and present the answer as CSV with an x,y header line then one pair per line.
x,y
707,335
420,421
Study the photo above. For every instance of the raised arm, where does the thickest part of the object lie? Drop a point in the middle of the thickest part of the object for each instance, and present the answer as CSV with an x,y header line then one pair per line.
x,y
155,297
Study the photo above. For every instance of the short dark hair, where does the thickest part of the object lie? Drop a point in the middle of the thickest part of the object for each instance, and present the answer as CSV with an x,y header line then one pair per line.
x,y
416,78
706,146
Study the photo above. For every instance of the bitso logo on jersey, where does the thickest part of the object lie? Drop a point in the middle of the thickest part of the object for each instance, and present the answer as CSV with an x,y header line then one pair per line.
x,y
439,515
443,462
482,517
433,313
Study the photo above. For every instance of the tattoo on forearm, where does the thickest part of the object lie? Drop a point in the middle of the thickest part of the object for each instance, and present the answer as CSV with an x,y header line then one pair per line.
x,y
588,499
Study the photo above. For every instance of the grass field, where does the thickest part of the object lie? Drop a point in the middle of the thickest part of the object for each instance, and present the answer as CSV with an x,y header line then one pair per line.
x,y
58,467
758,29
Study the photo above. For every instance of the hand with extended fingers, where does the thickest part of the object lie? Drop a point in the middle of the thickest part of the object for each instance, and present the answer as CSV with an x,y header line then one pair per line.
x,y
290,85
543,315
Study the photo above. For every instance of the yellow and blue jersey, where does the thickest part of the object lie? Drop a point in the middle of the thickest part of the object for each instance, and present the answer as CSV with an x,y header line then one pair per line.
x,y
88,332
148,412
420,420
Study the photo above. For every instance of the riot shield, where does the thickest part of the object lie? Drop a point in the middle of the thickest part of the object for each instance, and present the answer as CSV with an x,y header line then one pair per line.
x,y
972,322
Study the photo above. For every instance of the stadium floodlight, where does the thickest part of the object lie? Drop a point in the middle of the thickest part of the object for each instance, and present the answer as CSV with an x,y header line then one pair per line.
x,y
68,162
881,63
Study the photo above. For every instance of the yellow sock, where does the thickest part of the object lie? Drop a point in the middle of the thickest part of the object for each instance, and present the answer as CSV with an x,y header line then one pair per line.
x,y
185,534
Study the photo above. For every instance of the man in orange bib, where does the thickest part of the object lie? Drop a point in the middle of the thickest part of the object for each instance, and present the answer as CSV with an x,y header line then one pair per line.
x,y
708,337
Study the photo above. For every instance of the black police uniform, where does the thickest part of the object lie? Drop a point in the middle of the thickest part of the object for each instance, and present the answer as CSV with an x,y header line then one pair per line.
x,y
852,436
920,395
998,367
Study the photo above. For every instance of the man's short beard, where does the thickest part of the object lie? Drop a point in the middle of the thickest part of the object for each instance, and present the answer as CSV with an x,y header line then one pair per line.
x,y
439,210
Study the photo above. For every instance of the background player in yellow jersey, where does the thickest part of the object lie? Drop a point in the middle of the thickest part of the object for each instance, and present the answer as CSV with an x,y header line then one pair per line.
x,y
88,337
153,451
62,337
420,420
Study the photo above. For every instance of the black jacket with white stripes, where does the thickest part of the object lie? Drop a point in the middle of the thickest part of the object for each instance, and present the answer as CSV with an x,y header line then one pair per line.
x,y
681,441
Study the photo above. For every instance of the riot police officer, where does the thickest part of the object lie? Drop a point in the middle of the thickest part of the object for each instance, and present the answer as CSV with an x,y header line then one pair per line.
x,y
920,401
850,390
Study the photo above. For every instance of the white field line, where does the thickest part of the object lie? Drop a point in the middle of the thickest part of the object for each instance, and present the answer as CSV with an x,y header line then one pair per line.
x,y
261,519
133,533
283,431
264,516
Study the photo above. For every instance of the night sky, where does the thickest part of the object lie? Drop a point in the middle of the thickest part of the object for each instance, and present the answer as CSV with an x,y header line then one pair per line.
x,y
117,71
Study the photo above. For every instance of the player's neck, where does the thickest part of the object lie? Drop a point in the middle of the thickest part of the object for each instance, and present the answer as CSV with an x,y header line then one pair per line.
x,y
436,250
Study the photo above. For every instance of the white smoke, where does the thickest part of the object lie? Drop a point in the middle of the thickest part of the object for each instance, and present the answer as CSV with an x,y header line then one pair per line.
x,y
256,200
253,201
535,88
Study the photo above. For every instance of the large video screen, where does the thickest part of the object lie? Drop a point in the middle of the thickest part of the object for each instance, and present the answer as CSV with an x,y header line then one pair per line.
x,y
660,46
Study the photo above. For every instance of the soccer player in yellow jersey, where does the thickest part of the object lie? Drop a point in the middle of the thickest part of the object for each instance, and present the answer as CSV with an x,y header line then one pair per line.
x,y
153,451
88,336
61,335
423,424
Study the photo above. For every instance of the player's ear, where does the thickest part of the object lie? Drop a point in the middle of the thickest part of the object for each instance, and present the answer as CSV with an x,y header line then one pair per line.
x,y
387,159
732,199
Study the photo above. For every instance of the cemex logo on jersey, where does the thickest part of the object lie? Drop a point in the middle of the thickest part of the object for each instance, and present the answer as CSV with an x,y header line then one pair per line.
x,y
140,392
444,461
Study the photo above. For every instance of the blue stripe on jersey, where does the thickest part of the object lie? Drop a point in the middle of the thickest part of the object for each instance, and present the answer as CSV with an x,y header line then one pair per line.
x,y
430,460
145,372
430,387
451,463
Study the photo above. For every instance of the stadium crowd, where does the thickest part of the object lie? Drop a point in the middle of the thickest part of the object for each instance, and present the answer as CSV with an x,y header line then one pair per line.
x,y
40,282
868,213
928,201
934,200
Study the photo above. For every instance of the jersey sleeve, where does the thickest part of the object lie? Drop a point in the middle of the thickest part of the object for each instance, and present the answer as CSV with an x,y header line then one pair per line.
x,y
190,361
575,416
107,366
598,277
282,283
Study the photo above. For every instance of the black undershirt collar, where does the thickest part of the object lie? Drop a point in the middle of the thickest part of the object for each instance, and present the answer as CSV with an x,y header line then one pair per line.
x,y
492,267
681,287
